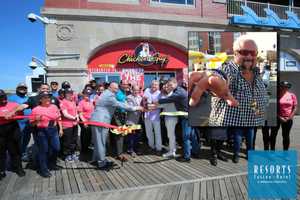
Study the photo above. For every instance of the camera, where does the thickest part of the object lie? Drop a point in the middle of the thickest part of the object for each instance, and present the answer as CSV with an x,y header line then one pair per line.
x,y
31,17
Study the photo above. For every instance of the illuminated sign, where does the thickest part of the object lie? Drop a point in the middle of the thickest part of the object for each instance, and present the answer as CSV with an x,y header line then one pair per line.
x,y
144,55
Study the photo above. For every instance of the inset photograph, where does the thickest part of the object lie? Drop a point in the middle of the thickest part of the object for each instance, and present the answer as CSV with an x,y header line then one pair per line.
x,y
232,79
289,80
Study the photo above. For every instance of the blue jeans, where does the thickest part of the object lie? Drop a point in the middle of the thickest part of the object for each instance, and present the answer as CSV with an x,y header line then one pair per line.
x,y
238,133
190,141
47,140
132,141
25,137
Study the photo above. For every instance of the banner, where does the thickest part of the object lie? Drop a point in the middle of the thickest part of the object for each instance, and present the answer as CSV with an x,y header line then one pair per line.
x,y
135,76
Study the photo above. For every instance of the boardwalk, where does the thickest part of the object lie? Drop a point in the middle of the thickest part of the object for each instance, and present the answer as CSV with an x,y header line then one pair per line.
x,y
143,177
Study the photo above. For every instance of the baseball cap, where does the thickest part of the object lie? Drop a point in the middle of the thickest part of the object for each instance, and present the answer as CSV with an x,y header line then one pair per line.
x,y
54,82
65,84
2,94
21,85
285,84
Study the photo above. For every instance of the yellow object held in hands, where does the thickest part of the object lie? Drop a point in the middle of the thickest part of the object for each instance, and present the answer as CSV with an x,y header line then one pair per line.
x,y
125,130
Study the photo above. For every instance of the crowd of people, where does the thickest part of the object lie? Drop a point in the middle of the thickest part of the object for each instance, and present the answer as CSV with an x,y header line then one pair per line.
x,y
53,117
57,116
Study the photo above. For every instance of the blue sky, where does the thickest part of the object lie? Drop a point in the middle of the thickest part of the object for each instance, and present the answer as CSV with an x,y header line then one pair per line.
x,y
20,40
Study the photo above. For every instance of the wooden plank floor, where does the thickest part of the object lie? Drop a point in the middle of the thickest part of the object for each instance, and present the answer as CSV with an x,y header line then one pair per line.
x,y
219,188
142,177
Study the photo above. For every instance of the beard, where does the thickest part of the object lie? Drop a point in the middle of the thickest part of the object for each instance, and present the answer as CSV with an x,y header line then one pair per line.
x,y
247,64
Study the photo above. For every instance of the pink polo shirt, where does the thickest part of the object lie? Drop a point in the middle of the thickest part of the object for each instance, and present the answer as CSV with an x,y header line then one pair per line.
x,y
10,106
286,104
47,113
86,107
71,108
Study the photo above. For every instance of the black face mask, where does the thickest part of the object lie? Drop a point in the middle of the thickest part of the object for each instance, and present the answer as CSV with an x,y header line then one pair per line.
x,y
66,87
3,101
21,93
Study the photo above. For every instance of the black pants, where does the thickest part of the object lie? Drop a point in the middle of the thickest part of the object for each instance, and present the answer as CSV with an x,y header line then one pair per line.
x,y
286,129
215,147
69,140
10,141
119,119
85,138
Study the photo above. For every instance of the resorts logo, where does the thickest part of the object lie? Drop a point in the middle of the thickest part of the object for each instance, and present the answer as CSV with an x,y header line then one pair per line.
x,y
272,174
144,55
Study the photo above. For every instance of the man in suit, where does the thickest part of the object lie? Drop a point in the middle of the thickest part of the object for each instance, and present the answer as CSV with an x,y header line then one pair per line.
x,y
104,110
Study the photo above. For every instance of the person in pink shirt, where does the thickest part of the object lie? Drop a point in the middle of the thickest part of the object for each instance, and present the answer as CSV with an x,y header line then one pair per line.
x,y
85,110
9,138
287,109
70,126
99,91
46,117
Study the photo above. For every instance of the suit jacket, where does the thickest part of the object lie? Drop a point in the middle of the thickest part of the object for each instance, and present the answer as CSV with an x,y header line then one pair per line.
x,y
106,106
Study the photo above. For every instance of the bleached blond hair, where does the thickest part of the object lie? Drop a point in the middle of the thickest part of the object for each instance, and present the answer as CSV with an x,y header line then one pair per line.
x,y
242,39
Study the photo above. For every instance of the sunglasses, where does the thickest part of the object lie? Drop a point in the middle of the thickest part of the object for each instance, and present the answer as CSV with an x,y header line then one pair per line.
x,y
247,52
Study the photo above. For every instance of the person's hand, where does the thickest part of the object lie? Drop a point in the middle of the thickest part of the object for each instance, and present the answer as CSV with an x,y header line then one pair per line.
x,y
61,132
282,119
152,106
139,108
155,103
85,125
38,118
76,118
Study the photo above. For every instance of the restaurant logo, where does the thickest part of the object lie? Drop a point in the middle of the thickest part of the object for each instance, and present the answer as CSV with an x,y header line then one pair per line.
x,y
272,174
144,55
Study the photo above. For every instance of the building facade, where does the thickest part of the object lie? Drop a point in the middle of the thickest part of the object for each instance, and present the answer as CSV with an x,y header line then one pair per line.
x,y
102,31
91,36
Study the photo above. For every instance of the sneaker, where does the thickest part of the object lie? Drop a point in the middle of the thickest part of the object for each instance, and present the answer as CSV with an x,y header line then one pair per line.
x,y
213,161
20,172
169,154
46,174
55,167
182,159
69,158
25,158
75,157
235,158
2,175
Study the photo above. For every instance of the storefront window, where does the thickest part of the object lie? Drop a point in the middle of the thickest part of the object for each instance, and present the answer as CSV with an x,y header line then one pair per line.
x,y
182,2
160,76
101,78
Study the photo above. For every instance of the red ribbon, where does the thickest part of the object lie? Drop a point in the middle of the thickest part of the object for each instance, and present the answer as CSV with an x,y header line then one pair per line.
x,y
93,123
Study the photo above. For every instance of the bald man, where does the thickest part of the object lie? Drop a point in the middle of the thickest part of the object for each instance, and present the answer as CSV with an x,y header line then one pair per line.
x,y
104,110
